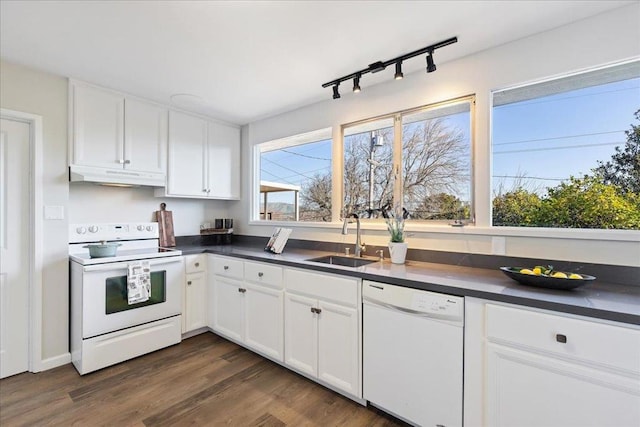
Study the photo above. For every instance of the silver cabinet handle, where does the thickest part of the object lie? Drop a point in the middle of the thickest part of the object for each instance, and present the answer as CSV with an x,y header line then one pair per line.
x,y
189,283
127,162
260,274
121,161
226,267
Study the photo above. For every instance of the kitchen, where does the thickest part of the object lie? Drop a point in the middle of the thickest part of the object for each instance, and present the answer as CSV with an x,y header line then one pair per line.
x,y
569,47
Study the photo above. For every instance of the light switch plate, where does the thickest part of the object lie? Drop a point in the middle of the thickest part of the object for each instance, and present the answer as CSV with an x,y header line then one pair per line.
x,y
498,245
54,212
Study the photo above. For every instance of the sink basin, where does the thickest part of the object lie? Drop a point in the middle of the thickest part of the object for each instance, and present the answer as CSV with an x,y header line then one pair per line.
x,y
342,260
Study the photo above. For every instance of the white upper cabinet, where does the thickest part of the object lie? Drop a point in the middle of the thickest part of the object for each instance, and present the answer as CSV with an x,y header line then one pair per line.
x,y
145,136
204,158
98,127
112,131
187,150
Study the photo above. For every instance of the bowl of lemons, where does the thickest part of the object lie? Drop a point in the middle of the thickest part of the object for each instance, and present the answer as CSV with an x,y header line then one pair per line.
x,y
547,277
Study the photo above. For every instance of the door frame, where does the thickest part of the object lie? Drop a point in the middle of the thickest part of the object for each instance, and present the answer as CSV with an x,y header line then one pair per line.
x,y
36,223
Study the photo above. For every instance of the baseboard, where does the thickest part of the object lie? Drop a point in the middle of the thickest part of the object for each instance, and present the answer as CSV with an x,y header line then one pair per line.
x,y
53,362
195,332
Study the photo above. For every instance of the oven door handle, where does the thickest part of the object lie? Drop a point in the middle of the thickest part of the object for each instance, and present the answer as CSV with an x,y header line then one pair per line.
x,y
124,264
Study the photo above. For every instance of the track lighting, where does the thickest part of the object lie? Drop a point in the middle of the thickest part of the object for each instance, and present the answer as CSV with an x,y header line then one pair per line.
x,y
382,65
398,75
431,67
356,83
336,94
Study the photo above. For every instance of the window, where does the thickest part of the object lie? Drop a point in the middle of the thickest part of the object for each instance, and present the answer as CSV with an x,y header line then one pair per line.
x,y
566,152
421,158
295,178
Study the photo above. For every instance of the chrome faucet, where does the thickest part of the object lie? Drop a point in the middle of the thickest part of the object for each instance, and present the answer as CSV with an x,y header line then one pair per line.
x,y
360,247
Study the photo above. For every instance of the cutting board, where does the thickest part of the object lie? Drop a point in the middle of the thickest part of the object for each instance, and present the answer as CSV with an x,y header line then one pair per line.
x,y
165,226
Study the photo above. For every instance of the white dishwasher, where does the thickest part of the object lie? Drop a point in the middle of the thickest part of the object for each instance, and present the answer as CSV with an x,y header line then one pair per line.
x,y
412,353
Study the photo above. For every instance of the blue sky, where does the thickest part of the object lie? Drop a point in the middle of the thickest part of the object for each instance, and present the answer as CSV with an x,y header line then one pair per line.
x,y
545,140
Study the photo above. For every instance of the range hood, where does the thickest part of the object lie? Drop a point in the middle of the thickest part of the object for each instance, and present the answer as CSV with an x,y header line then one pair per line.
x,y
117,177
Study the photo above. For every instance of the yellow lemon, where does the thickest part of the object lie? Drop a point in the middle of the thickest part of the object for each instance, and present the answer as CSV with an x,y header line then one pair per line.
x,y
559,275
526,271
575,276
537,271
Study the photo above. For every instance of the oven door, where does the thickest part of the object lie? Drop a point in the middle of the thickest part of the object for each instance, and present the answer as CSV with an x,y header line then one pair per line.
x,y
105,306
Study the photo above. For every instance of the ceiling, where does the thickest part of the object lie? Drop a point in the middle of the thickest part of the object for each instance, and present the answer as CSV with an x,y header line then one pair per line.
x,y
247,60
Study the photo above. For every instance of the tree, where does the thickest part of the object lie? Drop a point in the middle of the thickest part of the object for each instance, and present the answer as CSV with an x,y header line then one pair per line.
x,y
517,207
441,206
623,170
589,203
315,199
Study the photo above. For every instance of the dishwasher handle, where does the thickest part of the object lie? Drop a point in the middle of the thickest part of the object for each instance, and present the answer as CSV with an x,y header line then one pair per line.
x,y
455,318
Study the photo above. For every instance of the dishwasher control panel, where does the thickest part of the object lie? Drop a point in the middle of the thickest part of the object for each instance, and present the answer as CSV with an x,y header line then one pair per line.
x,y
425,303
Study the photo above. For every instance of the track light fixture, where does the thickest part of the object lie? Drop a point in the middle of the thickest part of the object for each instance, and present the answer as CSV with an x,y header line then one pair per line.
x,y
398,75
431,66
381,65
356,83
336,94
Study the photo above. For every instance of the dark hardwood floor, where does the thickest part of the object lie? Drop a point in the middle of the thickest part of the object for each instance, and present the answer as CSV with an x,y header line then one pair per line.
x,y
203,381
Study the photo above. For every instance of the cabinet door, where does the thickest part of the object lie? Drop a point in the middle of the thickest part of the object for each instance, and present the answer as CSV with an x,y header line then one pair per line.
x,y
145,136
527,389
195,314
228,307
264,320
224,161
338,344
186,162
98,121
301,334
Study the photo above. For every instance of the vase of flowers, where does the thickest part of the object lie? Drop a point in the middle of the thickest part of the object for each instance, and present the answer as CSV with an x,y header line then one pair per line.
x,y
397,245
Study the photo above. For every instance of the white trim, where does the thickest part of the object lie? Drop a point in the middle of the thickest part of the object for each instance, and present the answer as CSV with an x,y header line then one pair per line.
x,y
54,362
36,210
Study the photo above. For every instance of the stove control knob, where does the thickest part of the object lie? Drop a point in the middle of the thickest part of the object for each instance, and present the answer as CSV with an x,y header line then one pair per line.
x,y
81,230
149,227
140,227
93,229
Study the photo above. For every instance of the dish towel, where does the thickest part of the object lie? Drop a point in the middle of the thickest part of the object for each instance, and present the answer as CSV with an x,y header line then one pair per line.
x,y
138,282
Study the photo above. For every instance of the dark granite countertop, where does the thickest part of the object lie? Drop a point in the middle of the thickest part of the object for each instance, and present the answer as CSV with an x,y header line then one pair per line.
x,y
598,299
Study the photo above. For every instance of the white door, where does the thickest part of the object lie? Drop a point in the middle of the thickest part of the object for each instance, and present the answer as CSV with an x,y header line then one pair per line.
x,y
224,161
187,149
195,315
264,321
530,390
228,311
145,136
14,252
338,356
98,134
301,334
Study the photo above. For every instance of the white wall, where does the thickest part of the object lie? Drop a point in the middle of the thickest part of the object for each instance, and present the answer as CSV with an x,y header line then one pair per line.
x,y
32,91
603,39
95,203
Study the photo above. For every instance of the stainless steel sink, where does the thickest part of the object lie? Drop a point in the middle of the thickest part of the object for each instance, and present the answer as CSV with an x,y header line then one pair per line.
x,y
342,260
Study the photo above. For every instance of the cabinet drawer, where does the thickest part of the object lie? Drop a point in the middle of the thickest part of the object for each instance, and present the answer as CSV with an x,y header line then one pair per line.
x,y
229,267
326,286
259,272
617,347
195,263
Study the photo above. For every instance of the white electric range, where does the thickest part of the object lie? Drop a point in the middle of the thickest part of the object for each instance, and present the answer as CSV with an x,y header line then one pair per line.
x,y
105,327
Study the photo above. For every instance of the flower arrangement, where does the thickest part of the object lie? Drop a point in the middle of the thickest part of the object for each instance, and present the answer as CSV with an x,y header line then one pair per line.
x,y
395,224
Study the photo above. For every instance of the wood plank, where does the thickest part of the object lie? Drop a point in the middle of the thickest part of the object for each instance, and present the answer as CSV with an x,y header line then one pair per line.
x,y
205,380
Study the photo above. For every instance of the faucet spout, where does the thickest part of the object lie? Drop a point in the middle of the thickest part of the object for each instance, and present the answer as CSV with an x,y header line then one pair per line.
x,y
359,246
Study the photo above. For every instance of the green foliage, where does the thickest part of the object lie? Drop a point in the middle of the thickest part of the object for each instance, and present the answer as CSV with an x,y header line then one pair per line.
x,y
395,225
516,208
590,203
442,206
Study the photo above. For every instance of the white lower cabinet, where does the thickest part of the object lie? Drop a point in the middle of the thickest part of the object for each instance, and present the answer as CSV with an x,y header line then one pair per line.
x,y
194,310
247,304
323,328
538,368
